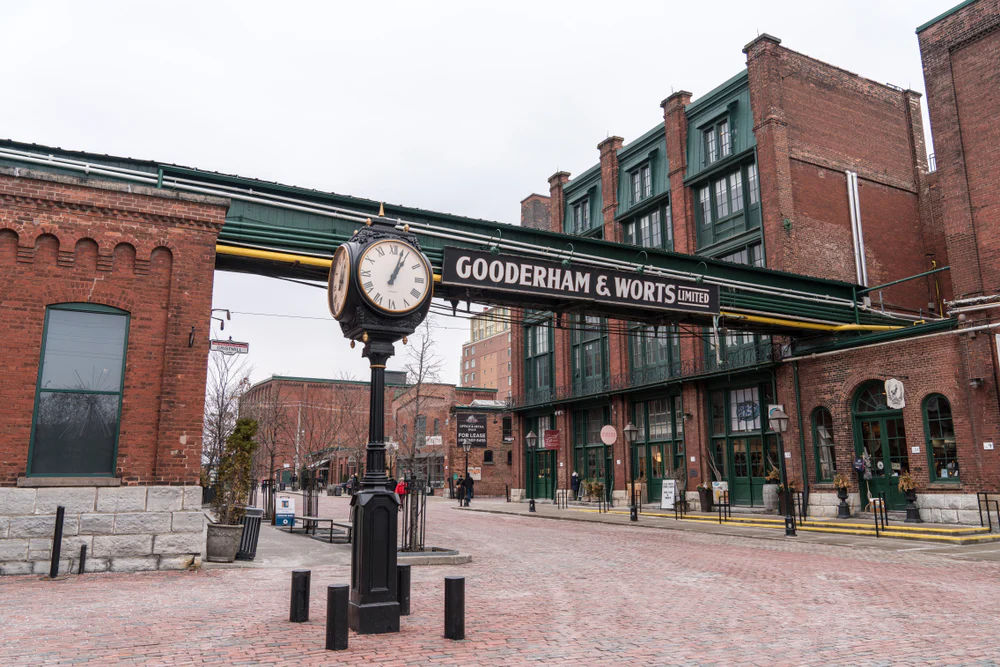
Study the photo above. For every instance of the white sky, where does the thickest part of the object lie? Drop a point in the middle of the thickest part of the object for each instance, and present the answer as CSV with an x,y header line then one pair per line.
x,y
457,107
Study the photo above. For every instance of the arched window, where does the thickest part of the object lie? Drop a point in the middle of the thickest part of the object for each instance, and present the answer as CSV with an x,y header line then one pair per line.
x,y
940,431
826,460
871,398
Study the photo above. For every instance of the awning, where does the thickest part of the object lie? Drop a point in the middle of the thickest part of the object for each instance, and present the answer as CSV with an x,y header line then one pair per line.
x,y
320,464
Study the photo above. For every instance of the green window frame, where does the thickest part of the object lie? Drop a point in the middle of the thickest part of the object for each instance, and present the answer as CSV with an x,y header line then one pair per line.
x,y
823,446
641,183
654,353
76,408
652,228
728,204
581,215
538,359
589,344
718,141
661,425
939,431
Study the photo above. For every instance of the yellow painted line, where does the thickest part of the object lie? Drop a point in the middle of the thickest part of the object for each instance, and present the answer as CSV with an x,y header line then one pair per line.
x,y
837,524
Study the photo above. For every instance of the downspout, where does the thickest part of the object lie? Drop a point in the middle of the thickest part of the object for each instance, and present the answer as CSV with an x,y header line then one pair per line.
x,y
802,440
860,266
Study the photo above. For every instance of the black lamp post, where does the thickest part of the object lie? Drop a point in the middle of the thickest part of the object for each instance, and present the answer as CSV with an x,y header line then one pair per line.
x,y
466,446
531,439
631,432
778,421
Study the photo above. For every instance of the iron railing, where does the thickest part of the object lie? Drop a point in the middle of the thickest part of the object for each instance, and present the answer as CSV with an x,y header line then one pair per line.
x,y
741,358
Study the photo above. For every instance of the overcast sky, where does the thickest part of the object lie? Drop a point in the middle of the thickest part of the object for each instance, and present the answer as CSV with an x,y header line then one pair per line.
x,y
460,107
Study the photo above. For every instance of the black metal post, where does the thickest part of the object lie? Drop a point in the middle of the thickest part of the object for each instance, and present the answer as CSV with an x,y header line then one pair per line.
x,y
374,604
298,610
83,559
57,542
789,519
466,495
336,616
403,587
454,607
531,480
633,510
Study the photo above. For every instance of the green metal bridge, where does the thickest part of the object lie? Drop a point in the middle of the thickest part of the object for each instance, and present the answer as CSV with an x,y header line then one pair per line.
x,y
289,232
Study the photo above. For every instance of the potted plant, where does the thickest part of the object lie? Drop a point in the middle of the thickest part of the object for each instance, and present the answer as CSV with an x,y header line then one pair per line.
x,y
770,488
842,482
234,483
793,486
640,490
705,496
908,486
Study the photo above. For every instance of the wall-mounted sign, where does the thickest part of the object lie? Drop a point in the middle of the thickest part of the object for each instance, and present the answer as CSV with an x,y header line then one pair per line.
x,y
476,472
523,275
432,440
229,347
608,434
894,396
471,428
552,438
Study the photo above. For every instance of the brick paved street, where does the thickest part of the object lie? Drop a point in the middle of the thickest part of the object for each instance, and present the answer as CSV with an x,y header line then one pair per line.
x,y
539,592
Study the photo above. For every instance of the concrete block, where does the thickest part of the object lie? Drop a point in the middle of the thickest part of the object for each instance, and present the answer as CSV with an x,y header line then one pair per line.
x,y
97,524
4,527
16,567
41,526
122,546
192,497
96,564
39,543
41,554
142,522
967,501
71,545
187,522
17,501
930,501
948,516
13,550
164,498
121,499
133,564
969,517
43,566
180,562
75,500
179,543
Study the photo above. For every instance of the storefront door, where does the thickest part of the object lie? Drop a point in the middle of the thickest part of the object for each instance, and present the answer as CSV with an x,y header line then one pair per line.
x,y
748,470
884,440
544,474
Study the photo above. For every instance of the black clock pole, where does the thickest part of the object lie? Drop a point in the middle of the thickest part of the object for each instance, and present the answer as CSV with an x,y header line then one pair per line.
x,y
374,607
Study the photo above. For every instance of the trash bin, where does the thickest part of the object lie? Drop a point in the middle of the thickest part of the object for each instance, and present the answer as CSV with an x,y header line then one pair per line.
x,y
336,490
284,512
251,531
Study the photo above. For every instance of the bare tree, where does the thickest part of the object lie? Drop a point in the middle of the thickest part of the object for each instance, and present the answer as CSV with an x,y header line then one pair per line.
x,y
228,378
423,367
351,417
268,407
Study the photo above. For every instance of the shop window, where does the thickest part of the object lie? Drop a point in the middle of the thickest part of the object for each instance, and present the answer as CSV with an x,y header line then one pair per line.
x,y
941,448
508,429
79,392
488,457
510,458
826,460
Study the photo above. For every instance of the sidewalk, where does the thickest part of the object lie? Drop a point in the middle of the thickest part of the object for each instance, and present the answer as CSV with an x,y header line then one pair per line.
x,y
811,533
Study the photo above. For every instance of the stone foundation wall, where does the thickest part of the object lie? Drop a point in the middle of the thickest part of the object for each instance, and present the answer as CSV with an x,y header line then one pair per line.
x,y
959,508
125,529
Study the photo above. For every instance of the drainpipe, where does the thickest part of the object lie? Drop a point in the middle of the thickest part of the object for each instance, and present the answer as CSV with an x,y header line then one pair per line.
x,y
802,439
854,204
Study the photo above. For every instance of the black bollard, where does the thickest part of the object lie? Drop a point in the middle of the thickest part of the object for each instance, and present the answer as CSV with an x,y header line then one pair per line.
x,y
454,607
299,611
336,616
83,559
57,542
403,589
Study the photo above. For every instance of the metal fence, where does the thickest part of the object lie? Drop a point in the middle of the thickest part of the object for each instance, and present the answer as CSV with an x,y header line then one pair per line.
x,y
413,506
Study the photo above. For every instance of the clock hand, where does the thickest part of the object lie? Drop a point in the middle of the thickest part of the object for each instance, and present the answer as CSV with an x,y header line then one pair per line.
x,y
399,265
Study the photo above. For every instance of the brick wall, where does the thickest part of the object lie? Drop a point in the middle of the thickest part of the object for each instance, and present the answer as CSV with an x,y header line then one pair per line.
x,y
145,251
535,211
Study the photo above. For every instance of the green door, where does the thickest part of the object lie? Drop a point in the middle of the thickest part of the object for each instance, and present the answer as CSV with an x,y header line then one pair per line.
x,y
544,474
747,480
884,440
654,474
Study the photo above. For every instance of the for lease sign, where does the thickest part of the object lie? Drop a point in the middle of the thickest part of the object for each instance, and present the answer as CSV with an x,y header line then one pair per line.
x,y
474,268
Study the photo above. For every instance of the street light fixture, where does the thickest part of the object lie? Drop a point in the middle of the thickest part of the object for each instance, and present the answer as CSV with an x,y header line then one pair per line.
x,y
531,439
631,433
778,421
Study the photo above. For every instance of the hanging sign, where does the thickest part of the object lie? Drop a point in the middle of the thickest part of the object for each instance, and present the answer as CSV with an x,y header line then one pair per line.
x,y
528,276
229,347
472,429
608,434
551,438
894,396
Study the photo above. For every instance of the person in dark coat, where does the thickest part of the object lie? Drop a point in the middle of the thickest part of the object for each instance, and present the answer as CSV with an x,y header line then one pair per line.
x,y
469,489
460,490
574,484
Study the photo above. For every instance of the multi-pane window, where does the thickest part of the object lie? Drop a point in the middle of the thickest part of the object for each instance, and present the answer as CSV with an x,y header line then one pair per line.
x,y
655,353
711,150
750,255
728,205
588,342
79,393
941,445
641,181
661,430
650,230
705,202
744,410
538,358
725,145
437,427
508,429
581,216
752,188
826,460
718,142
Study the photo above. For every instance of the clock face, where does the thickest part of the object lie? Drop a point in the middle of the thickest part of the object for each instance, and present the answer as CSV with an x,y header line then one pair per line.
x,y
340,280
393,276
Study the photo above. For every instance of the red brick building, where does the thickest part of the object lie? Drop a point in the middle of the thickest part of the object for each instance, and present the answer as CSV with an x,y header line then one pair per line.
x,y
90,271
799,166
486,358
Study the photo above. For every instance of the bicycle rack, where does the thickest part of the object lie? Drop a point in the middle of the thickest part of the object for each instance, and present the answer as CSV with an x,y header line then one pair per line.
x,y
983,498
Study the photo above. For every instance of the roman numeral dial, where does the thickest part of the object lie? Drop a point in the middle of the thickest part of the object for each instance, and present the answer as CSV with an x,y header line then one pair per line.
x,y
394,277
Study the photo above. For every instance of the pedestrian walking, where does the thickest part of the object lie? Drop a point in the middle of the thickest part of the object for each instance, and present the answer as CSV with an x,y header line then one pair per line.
x,y
469,489
460,489
574,484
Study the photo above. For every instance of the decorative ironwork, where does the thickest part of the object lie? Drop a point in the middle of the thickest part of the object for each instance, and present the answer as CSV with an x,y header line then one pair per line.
x,y
739,359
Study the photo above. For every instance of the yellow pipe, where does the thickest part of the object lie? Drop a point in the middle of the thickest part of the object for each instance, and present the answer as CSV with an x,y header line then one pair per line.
x,y
273,256
795,324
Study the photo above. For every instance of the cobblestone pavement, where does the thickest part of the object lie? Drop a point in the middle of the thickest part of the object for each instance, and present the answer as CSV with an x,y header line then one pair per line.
x,y
538,592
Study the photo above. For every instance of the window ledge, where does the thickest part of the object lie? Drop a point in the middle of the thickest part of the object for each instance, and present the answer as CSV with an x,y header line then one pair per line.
x,y
824,486
39,482
943,486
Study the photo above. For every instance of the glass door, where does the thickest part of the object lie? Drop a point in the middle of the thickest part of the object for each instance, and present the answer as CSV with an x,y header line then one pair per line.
x,y
883,439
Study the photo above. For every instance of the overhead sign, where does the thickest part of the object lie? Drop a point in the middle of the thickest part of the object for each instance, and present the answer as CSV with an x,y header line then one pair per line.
x,y
551,438
522,275
472,429
229,347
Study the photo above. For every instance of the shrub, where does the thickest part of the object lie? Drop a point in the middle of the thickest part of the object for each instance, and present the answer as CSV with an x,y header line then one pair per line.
x,y
235,473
